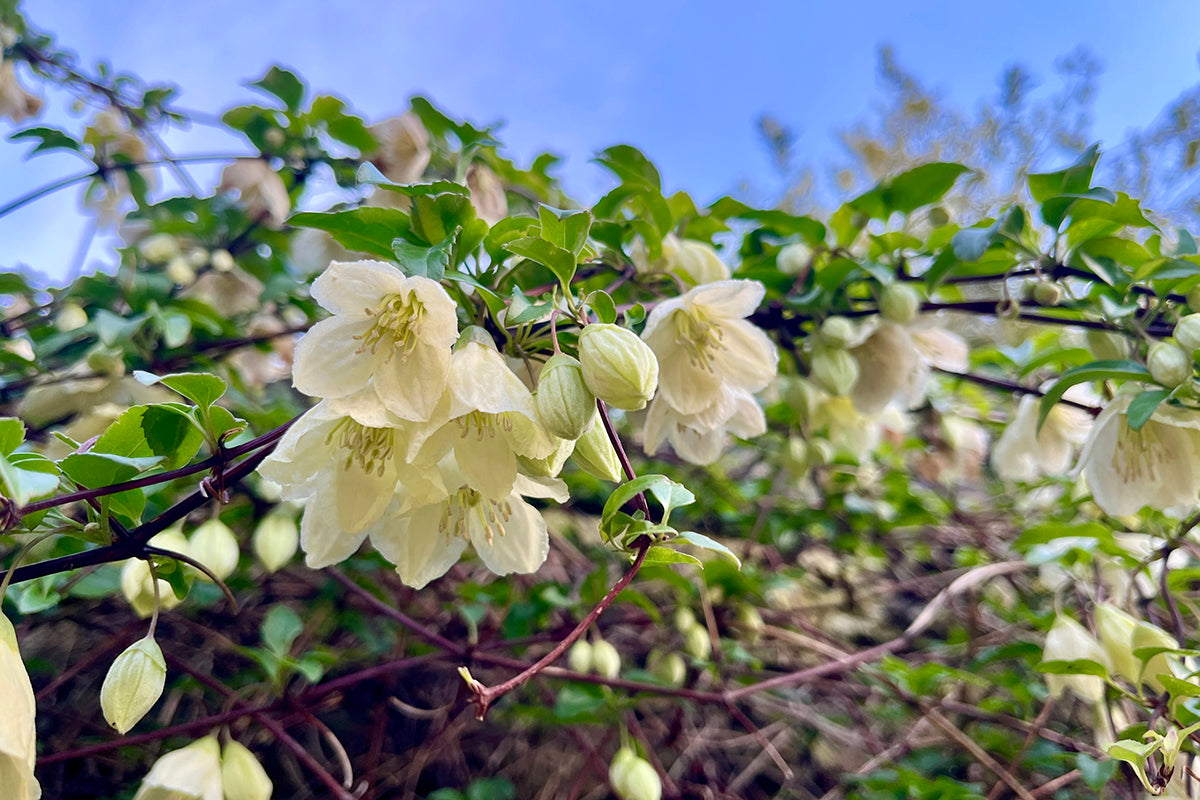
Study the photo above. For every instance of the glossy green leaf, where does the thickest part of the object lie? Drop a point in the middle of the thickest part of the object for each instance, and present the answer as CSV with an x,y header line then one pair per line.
x,y
559,261
425,262
1095,371
27,476
1143,406
667,555
201,388
368,229
12,433
283,84
1075,179
707,543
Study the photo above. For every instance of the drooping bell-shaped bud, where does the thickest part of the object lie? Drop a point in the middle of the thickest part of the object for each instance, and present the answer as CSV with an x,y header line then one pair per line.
x,y
242,777
18,744
579,657
605,659
1187,333
564,403
133,684
70,318
1169,365
697,643
596,456
899,303
793,258
634,778
159,248
189,773
837,332
1047,293
276,540
214,545
1067,640
1114,628
684,619
618,367
669,668
834,369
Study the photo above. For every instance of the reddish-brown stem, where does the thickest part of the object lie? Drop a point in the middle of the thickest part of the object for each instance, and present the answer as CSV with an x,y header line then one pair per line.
x,y
626,467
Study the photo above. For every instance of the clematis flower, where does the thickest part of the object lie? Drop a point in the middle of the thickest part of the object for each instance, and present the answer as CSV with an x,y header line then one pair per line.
x,y
700,438
436,521
403,150
487,194
695,262
386,347
17,731
492,419
1067,640
1156,466
895,362
345,472
189,773
702,341
260,190
1025,454
15,103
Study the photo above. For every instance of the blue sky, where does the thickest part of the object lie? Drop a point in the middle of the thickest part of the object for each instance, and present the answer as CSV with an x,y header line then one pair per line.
x,y
684,81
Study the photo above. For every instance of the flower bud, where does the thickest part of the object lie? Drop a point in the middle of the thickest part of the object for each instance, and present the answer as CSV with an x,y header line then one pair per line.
x,y
1106,345
1067,640
138,588
133,684
189,773
276,540
618,367
159,248
596,456
579,657
1047,293
634,778
1114,628
181,272
108,361
1187,333
836,332
696,642
794,258
551,465
750,621
684,619
70,318
1147,635
605,659
564,403
242,777
214,545
670,669
696,262
899,303
834,369
221,260
1193,298
1168,364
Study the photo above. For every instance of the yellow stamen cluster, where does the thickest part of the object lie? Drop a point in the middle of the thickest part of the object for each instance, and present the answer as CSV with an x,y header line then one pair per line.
x,y
1139,454
397,326
483,424
466,503
370,448
699,336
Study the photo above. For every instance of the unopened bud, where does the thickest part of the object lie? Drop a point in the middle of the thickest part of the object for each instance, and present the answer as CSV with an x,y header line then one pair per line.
x,y
107,361
579,657
242,777
276,540
189,773
834,369
794,258
181,272
564,403
197,257
596,456
750,620
618,367
1047,293
274,137
696,262
696,643
1169,365
670,669
159,248
1106,345
684,619
1193,298
1146,635
138,587
133,684
70,318
1114,628
836,332
214,545
1187,333
634,778
899,303
222,261
605,659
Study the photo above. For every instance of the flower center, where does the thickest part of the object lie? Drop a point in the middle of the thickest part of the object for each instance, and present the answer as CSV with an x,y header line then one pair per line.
x,y
397,326
698,336
1139,454
468,506
370,448
482,424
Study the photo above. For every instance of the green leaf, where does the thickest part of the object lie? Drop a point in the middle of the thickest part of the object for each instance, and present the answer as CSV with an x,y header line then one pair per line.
x,y
491,789
671,495
48,138
1075,179
27,476
702,541
366,230
970,244
425,262
284,85
628,164
1095,773
578,703
93,470
560,261
1142,407
565,229
12,433
667,555
280,628
162,430
602,304
1095,371
1078,666
199,387
908,191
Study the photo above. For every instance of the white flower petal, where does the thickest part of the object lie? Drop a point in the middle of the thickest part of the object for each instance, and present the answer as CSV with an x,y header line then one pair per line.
x,y
523,545
329,359
417,545
354,288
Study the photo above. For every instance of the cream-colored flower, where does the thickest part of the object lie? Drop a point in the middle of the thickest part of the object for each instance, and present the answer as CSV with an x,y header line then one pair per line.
x,y
700,438
1025,454
493,419
896,361
345,472
242,776
260,190
387,345
15,103
109,136
18,735
1067,640
1156,466
403,152
487,193
702,340
695,262
437,520
190,773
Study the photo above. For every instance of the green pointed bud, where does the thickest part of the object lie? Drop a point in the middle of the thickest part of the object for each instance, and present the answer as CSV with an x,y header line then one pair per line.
x,y
669,668
70,318
794,258
1168,364
1106,345
1047,293
1187,333
159,248
1171,746
1193,298
564,403
836,332
242,777
276,540
749,620
214,545
634,778
596,456
899,303
579,657
696,643
835,370
133,684
222,261
684,619
1114,629
605,659
618,367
